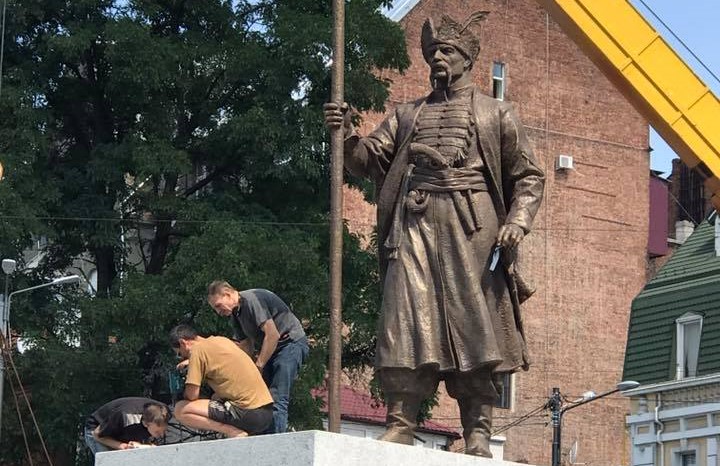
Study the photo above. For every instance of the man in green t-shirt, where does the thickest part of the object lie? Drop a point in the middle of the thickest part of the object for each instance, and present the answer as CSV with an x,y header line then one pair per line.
x,y
241,404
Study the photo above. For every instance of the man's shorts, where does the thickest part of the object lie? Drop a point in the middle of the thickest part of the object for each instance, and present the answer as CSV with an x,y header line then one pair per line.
x,y
252,421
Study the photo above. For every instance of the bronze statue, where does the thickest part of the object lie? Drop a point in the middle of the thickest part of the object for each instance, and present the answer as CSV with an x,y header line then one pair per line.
x,y
458,189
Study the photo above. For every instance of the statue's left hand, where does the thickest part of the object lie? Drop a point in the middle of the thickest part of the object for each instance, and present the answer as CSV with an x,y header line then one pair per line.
x,y
338,116
510,235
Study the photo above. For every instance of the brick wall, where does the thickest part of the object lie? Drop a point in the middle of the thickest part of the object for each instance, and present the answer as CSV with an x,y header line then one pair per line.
x,y
587,253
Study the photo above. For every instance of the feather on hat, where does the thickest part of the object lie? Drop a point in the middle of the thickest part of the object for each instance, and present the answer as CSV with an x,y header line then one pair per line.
x,y
453,33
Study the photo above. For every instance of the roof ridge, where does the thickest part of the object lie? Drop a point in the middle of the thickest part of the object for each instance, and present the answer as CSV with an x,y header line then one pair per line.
x,y
693,259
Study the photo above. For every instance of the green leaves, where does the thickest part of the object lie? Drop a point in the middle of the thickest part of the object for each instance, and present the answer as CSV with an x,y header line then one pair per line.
x,y
159,145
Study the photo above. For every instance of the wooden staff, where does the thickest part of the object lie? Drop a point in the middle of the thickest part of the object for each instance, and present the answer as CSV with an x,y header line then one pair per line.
x,y
336,220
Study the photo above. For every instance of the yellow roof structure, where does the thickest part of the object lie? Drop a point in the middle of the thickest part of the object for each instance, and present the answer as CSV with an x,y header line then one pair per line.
x,y
651,75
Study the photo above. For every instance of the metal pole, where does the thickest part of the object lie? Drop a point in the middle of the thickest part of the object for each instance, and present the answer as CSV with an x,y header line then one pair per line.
x,y
5,313
4,317
555,407
336,221
2,356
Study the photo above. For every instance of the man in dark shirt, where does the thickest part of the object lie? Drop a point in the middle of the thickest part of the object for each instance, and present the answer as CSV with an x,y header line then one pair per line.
x,y
260,316
125,423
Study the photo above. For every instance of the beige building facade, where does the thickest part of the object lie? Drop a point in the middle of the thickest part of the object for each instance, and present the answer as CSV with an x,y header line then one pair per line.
x,y
676,423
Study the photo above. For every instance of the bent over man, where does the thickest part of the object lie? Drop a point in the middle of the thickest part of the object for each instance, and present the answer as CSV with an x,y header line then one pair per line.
x,y
458,187
260,317
125,423
241,403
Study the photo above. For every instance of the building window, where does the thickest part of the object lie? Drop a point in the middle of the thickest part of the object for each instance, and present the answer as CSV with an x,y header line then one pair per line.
x,y
504,387
689,330
687,459
498,77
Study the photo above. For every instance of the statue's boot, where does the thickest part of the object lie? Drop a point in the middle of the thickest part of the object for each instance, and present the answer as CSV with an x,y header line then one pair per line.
x,y
476,419
401,418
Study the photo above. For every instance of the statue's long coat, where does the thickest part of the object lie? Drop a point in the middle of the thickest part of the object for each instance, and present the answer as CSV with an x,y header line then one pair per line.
x,y
515,184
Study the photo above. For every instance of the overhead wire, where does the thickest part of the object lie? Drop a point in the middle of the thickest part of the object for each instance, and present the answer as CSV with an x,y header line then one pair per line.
x,y
676,37
9,358
625,229
520,420
679,204
2,43
4,351
154,222
20,421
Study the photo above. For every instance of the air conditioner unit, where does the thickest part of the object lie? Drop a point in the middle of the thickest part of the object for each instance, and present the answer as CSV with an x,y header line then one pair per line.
x,y
564,162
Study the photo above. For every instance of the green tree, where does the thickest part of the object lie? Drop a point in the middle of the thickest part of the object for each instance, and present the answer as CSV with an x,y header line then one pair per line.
x,y
168,143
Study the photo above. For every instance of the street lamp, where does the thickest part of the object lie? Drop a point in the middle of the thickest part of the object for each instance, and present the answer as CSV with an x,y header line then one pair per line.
x,y
8,266
555,405
6,317
58,281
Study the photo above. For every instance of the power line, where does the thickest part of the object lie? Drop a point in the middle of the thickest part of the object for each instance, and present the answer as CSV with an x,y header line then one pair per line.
x,y
4,347
679,204
627,229
521,419
2,43
20,421
155,222
679,40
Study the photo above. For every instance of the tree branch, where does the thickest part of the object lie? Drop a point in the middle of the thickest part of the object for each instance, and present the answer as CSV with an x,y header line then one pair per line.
x,y
141,247
202,183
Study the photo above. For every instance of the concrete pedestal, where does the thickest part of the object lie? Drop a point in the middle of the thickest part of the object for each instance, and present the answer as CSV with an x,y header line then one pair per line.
x,y
308,448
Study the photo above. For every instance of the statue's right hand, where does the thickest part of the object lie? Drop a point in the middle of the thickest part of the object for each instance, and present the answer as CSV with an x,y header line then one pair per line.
x,y
338,116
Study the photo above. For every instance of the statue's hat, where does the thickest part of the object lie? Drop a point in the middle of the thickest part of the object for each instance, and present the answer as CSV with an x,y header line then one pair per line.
x,y
453,33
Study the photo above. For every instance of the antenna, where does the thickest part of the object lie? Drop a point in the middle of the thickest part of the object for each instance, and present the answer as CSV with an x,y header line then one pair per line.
x,y
572,454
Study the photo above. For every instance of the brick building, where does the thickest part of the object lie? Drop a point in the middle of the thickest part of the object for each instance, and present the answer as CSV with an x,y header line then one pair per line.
x,y
587,253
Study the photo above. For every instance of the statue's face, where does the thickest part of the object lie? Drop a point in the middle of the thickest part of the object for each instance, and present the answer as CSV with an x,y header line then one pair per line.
x,y
447,64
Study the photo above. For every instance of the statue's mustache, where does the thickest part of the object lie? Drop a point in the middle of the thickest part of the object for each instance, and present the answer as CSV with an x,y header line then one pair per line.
x,y
448,75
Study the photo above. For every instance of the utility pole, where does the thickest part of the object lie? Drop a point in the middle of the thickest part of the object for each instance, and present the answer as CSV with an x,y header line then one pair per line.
x,y
555,405
336,222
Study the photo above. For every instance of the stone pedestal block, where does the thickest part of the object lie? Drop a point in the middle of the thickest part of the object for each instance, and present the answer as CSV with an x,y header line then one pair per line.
x,y
308,448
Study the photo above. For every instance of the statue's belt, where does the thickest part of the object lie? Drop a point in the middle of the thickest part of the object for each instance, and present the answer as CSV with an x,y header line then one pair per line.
x,y
417,182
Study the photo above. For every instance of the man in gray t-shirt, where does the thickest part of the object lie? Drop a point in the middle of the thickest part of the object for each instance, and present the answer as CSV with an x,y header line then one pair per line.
x,y
260,317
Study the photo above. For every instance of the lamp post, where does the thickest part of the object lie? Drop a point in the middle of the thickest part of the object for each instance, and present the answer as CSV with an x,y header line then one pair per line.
x,y
6,317
557,409
8,267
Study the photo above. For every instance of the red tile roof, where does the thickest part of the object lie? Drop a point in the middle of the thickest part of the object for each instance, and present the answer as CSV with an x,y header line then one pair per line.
x,y
361,407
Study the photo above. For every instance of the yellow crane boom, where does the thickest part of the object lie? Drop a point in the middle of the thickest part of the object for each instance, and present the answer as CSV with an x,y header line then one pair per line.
x,y
651,75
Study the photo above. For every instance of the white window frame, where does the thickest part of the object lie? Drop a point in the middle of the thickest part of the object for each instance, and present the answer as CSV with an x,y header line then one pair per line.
x,y
498,80
688,453
680,453
680,325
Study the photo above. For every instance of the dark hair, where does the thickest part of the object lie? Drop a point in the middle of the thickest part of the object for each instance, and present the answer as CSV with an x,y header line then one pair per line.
x,y
181,332
156,413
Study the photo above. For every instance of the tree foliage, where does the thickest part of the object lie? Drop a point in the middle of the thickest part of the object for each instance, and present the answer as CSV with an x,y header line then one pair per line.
x,y
164,144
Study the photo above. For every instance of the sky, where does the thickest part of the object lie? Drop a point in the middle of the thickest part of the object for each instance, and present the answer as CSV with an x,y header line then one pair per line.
x,y
697,23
